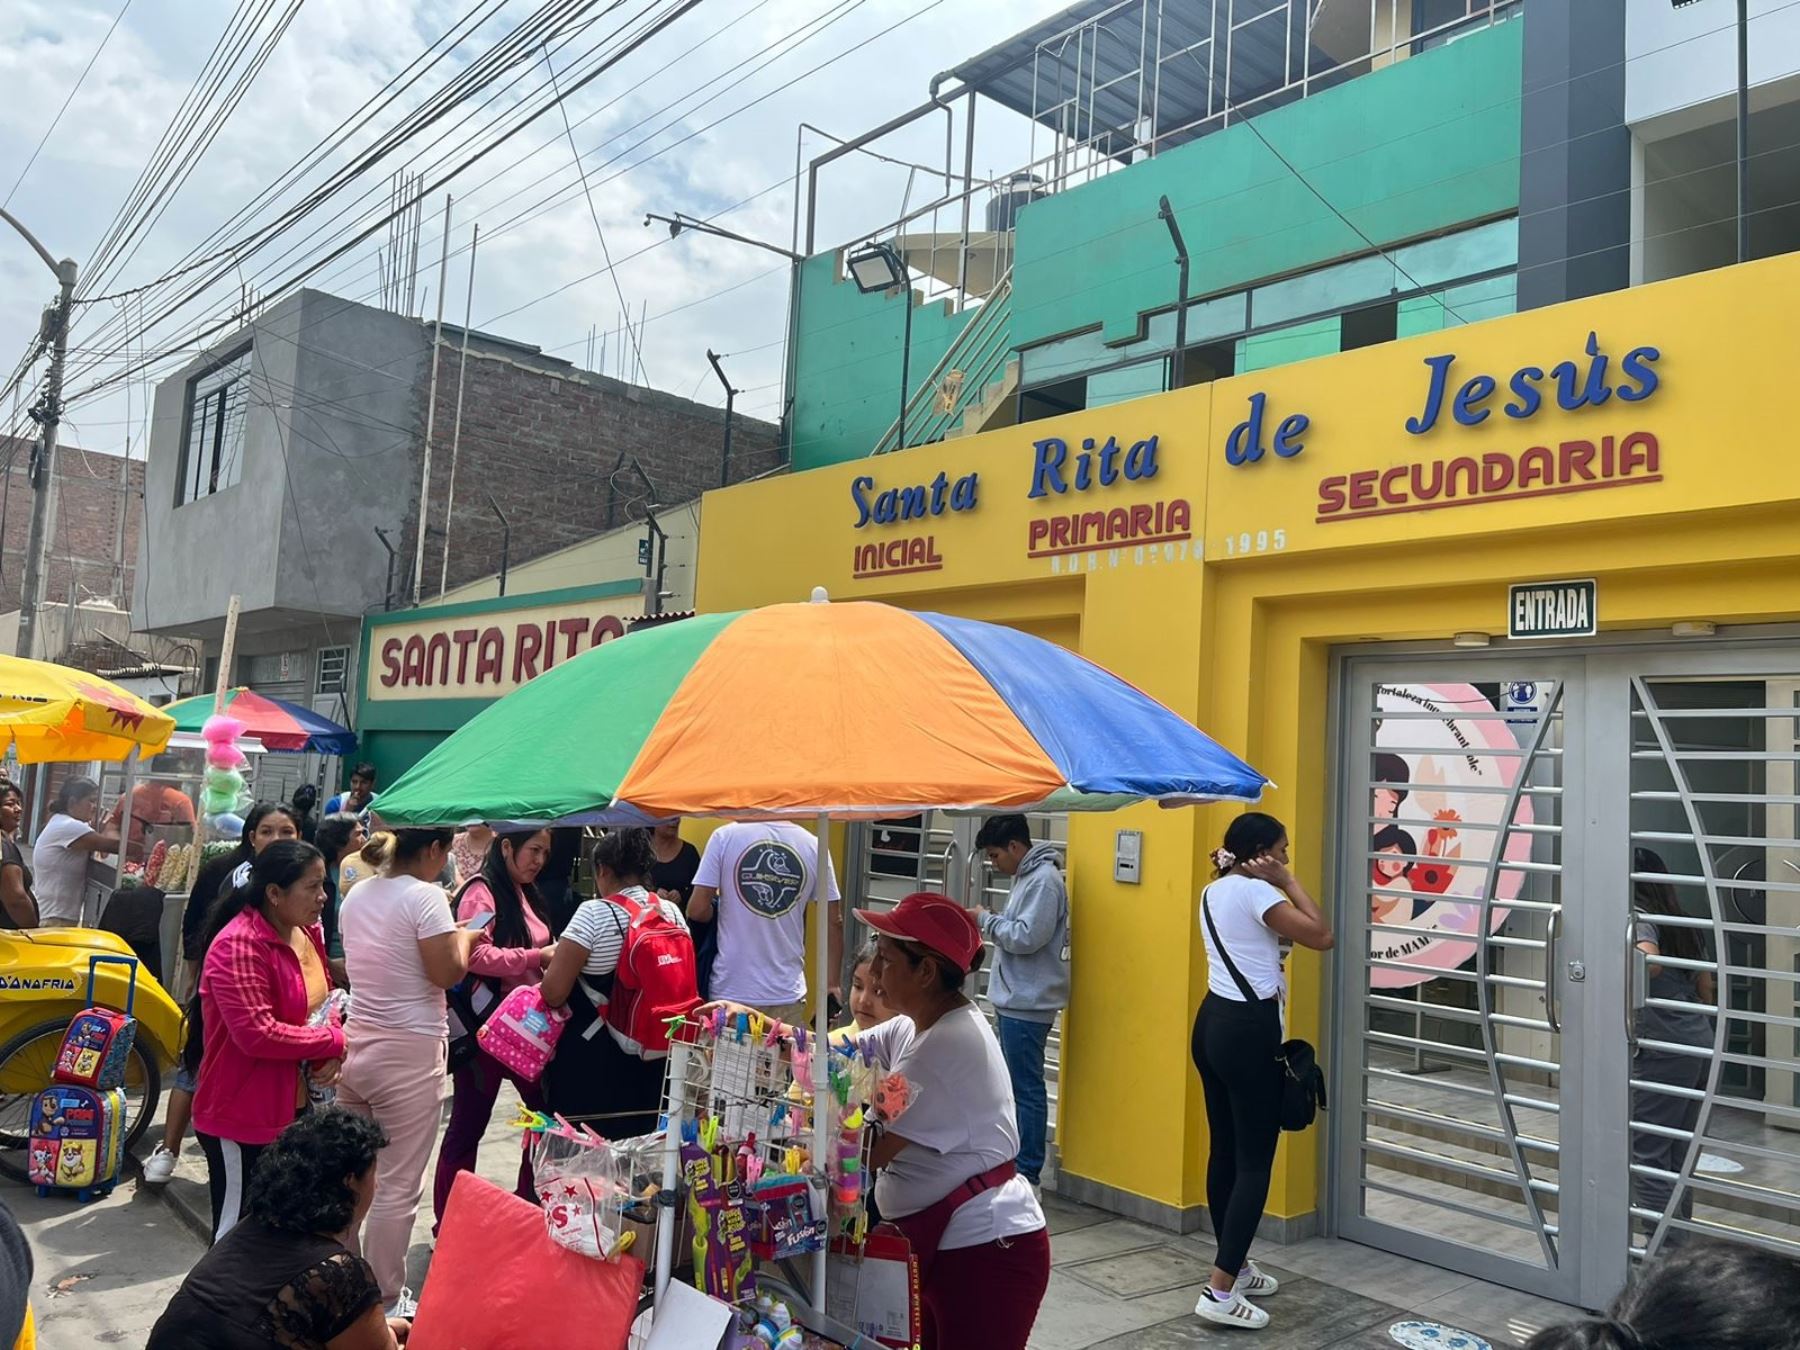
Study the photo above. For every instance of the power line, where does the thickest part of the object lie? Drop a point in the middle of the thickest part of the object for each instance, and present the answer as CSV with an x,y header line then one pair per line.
x,y
637,347
73,90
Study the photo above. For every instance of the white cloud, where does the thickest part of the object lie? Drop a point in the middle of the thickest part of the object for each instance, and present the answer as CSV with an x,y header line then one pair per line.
x,y
708,292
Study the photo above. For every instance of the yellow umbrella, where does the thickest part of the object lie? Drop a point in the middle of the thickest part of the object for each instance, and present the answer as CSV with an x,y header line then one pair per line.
x,y
50,713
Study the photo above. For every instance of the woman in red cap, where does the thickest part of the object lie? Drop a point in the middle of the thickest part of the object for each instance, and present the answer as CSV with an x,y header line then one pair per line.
x,y
945,1166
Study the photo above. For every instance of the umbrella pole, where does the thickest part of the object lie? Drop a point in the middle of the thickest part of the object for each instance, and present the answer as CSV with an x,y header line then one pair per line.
x,y
821,1059
125,822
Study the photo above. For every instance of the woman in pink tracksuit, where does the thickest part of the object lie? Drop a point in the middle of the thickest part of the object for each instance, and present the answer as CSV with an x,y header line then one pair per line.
x,y
516,947
265,973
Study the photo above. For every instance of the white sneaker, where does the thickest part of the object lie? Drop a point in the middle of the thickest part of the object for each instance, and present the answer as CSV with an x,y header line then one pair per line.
x,y
406,1306
1252,1282
159,1167
1235,1311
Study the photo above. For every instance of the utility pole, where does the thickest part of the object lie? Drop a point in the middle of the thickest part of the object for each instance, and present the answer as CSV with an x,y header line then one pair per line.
x,y
730,399
48,414
437,341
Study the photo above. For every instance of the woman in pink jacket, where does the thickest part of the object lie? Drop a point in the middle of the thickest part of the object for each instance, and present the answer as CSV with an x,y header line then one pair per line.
x,y
265,974
515,947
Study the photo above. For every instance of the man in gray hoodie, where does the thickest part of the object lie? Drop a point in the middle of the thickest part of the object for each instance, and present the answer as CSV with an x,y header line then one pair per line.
x,y
1030,980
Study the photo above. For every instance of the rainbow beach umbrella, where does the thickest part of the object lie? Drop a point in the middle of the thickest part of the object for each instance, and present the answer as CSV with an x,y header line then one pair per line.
x,y
278,724
849,711
831,711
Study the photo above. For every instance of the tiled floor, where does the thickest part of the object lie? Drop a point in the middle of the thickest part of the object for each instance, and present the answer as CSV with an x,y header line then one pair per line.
x,y
1124,1286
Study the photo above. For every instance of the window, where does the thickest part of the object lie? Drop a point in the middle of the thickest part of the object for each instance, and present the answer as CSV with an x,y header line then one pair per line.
x,y
334,670
212,442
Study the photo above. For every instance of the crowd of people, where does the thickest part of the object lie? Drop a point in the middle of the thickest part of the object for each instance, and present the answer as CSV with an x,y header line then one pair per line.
x,y
314,1204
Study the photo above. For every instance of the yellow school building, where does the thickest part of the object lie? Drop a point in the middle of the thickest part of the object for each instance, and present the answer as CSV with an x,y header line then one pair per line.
x,y
1377,564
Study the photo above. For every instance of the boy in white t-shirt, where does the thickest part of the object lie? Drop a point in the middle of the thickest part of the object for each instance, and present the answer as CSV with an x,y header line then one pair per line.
x,y
760,879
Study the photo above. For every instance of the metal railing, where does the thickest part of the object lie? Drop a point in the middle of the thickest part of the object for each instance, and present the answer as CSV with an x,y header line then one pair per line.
x,y
960,379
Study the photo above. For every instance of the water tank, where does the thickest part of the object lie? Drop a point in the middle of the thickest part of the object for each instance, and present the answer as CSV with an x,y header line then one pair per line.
x,y
1015,192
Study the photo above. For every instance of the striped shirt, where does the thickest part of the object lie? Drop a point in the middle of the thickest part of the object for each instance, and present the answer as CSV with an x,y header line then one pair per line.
x,y
599,926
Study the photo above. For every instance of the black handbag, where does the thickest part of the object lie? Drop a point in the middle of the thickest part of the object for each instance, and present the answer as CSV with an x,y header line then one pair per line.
x,y
1302,1080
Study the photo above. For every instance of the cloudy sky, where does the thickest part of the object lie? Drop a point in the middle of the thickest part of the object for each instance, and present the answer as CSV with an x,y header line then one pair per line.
x,y
696,120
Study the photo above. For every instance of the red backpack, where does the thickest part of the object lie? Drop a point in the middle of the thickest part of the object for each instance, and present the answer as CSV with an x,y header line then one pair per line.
x,y
656,979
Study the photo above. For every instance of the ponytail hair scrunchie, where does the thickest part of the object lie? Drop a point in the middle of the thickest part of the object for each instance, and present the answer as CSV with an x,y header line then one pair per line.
x,y
1224,859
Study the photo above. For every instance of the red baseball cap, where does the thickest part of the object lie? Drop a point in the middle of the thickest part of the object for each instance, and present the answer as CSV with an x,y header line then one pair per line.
x,y
932,920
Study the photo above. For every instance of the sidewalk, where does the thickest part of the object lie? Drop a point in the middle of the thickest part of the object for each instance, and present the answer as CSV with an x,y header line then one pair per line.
x,y
1125,1286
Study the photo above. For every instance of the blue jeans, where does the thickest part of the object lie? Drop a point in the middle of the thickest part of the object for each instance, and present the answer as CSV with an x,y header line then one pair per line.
x,y
1022,1045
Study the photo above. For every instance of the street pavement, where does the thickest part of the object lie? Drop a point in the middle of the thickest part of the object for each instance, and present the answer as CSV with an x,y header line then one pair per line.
x,y
105,1271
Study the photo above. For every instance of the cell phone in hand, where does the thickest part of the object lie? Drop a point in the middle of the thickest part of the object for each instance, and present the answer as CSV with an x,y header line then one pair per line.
x,y
480,921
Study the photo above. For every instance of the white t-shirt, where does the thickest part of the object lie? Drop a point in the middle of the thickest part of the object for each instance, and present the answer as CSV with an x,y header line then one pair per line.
x,y
59,873
382,923
599,925
960,1125
1237,905
766,875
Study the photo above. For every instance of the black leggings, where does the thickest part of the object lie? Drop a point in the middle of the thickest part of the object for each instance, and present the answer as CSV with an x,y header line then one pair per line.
x,y
1234,1048
228,1168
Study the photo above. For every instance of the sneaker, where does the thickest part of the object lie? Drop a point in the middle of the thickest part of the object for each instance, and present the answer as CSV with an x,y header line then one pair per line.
x,y
159,1167
1234,1311
406,1306
1253,1283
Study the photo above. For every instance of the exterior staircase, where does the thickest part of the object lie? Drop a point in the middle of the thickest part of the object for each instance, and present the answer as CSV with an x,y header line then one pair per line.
x,y
971,387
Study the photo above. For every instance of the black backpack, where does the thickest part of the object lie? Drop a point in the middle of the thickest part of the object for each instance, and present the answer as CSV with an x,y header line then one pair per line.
x,y
1302,1080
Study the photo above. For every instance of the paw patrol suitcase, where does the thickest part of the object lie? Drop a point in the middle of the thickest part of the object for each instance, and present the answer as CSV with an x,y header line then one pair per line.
x,y
98,1042
77,1140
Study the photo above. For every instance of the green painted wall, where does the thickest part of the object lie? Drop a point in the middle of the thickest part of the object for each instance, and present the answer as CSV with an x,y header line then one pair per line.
x,y
1429,143
847,369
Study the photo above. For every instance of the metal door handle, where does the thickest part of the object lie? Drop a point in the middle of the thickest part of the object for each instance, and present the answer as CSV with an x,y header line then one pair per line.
x,y
1550,972
948,856
1637,976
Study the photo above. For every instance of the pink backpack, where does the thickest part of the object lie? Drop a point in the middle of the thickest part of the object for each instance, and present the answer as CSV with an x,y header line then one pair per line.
x,y
522,1032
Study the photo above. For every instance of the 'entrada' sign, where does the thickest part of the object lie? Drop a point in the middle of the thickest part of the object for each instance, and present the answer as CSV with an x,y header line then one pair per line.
x,y
1553,609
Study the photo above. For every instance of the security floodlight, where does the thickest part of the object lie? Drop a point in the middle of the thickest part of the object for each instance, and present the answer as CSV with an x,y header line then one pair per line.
x,y
876,268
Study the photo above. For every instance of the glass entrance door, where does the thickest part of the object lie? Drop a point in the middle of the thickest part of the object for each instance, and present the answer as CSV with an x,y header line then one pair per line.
x,y
1569,998
1710,990
1456,906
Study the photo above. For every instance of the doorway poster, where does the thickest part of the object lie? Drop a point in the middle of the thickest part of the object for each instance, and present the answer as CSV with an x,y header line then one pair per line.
x,y
1436,823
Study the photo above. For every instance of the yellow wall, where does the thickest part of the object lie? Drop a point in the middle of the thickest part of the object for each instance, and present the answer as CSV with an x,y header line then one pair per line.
x,y
1241,641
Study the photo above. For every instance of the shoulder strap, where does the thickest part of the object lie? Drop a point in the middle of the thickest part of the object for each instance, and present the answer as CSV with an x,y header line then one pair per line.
x,y
1225,953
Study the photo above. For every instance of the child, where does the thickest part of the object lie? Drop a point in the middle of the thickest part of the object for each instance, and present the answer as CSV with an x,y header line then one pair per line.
x,y
866,1008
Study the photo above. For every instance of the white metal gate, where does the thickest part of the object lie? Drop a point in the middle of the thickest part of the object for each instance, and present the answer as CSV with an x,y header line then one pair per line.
x,y
1528,1096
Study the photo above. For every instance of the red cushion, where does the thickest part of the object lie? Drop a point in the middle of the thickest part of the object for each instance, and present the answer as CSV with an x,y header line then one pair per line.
x,y
496,1271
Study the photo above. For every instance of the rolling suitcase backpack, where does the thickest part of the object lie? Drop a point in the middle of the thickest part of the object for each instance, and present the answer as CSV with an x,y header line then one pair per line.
x,y
77,1124
98,1042
77,1139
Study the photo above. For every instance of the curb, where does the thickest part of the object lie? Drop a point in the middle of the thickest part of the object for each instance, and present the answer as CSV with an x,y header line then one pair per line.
x,y
186,1199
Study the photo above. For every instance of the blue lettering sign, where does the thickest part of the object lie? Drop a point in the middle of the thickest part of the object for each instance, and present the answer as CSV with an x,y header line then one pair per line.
x,y
915,501
1577,384
1050,471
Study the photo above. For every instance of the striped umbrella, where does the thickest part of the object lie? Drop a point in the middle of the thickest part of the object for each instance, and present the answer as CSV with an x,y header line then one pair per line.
x,y
833,711
278,724
849,711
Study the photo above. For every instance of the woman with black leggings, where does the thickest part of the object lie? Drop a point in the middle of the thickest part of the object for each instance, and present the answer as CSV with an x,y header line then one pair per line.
x,y
1244,914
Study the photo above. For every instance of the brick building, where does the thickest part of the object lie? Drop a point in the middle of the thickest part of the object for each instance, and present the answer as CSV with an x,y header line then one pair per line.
x,y
285,466
97,496
553,445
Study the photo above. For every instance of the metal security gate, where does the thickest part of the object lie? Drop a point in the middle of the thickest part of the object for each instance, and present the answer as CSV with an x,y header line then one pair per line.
x,y
936,852
1530,1097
